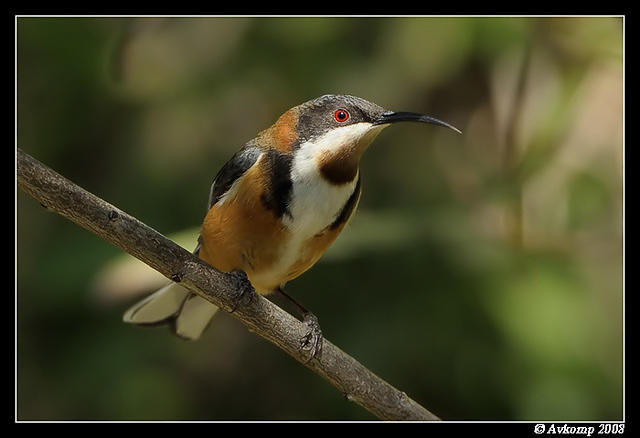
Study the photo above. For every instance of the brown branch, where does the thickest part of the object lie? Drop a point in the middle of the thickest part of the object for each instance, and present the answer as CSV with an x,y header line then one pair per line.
x,y
259,315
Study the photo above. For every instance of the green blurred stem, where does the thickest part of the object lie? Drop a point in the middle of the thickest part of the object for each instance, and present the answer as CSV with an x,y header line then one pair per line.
x,y
514,217
258,314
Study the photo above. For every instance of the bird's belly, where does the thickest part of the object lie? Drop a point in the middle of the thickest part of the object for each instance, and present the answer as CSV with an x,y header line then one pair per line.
x,y
235,237
272,251
296,256
270,255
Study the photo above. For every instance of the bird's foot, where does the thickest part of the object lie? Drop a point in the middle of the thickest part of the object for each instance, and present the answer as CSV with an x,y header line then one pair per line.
x,y
242,286
312,340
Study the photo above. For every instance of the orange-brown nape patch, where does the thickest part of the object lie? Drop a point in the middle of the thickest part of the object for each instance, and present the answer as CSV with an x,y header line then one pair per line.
x,y
283,134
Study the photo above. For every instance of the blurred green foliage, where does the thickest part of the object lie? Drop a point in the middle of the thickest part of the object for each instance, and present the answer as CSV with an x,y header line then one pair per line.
x,y
482,274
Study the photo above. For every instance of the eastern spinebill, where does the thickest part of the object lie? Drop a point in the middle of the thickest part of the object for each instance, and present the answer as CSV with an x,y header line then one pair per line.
x,y
278,204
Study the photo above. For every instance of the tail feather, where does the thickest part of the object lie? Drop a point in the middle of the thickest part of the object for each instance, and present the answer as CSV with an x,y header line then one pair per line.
x,y
194,317
188,314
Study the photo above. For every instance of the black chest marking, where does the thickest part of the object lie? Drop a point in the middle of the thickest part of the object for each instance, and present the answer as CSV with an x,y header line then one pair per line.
x,y
277,195
339,170
348,208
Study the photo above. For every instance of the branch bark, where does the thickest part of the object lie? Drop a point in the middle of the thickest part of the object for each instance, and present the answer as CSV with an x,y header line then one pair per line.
x,y
258,314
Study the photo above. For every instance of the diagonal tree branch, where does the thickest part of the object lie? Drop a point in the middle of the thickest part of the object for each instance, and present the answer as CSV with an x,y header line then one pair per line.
x,y
259,315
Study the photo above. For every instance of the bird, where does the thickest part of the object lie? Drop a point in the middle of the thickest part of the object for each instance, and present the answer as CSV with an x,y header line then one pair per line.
x,y
277,205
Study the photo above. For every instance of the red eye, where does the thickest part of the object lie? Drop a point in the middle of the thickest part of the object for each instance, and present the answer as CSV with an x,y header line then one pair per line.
x,y
341,115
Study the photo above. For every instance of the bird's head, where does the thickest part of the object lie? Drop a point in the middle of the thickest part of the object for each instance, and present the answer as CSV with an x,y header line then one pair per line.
x,y
335,130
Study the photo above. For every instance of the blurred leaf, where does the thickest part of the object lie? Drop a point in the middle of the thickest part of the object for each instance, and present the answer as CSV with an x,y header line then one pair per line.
x,y
589,199
499,35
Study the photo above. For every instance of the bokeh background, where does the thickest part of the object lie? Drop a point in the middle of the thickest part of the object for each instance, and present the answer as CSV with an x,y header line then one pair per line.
x,y
482,273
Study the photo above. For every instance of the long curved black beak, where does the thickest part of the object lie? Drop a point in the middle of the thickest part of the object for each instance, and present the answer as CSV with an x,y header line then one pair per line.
x,y
393,117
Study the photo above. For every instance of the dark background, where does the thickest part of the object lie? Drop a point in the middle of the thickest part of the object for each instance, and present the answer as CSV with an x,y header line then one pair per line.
x,y
482,273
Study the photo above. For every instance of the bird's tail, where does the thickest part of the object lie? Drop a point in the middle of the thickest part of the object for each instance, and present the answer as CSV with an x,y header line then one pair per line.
x,y
187,313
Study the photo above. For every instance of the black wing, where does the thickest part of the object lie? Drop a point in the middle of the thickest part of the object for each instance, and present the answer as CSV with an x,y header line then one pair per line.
x,y
230,172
